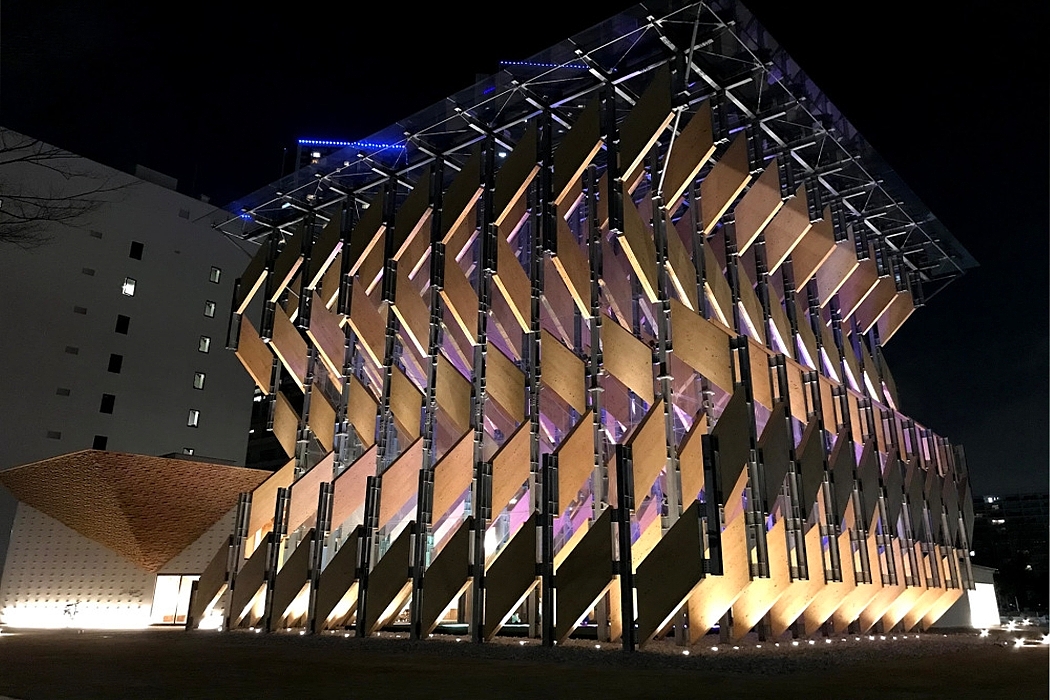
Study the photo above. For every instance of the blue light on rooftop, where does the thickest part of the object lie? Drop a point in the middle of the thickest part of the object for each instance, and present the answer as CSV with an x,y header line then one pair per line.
x,y
538,64
245,215
354,144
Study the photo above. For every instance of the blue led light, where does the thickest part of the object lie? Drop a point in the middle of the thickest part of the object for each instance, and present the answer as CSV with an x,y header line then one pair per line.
x,y
535,64
245,215
355,144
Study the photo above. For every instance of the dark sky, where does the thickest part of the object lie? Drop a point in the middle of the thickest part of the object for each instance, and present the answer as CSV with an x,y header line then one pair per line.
x,y
954,99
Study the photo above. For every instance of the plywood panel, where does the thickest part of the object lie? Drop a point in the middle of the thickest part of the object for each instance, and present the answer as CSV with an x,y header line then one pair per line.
x,y
834,272
732,434
289,347
400,481
576,150
249,581
691,151
762,593
287,264
640,248
775,443
716,594
574,268
781,327
896,314
338,584
842,462
615,283
349,487
516,173
458,201
264,498
670,573
649,449
680,267
575,460
406,402
453,474
209,585
812,250
725,182
798,596
628,359
302,506
857,287
642,127
751,306
254,355
367,234
322,419
292,577
461,298
411,219
411,310
786,229
811,463
285,424
805,333
758,206
327,336
368,324
875,304
325,248
505,383
513,284
717,289
251,279
584,576
510,468
510,577
761,380
797,391
447,576
453,393
361,411
691,459
563,372
389,584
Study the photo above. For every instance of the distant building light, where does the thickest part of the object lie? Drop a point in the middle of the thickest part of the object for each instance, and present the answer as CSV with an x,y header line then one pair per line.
x,y
245,215
540,64
215,275
128,288
354,144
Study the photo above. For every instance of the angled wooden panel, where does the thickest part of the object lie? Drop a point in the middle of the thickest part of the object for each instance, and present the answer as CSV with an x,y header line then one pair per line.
x,y
563,372
758,206
367,234
796,391
453,393
732,433
322,420
249,581
289,347
349,487
670,573
453,474
805,334
786,229
327,336
458,201
775,443
573,267
875,304
680,267
302,506
410,220
328,288
368,325
510,468
761,594
406,402
325,248
411,310
781,328
575,460
724,183
642,127
447,576
842,462
584,576
834,272
691,151
400,482
389,584
896,314
691,459
868,471
761,374
558,304
264,497
505,383
254,355
285,424
649,449
716,594
510,577
640,248
717,289
211,583
811,463
513,283
576,150
338,582
615,283
361,409
628,359
251,279
751,307
812,250
287,264
461,298
294,574
516,173
857,287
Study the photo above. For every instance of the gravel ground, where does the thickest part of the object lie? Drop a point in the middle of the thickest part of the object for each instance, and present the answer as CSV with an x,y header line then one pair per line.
x,y
172,664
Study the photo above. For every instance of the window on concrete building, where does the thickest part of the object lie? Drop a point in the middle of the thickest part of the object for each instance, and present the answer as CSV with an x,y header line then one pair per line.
x,y
187,450
115,363
107,403
71,350
123,322
128,289
209,309
62,391
194,418
99,443
54,435
216,273
204,345
136,250
90,272
198,380
96,234
80,310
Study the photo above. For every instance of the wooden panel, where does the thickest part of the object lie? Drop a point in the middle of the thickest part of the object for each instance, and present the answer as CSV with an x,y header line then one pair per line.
x,y
447,576
812,250
513,284
786,229
642,127
716,594
584,576
852,366
811,463
453,474
724,183
368,325
285,424
576,150
691,460
615,283
680,267
337,583
510,468
209,585
758,206
796,391
558,303
264,497
294,574
350,487
516,173
372,267
361,411
287,264
411,218
649,451
563,372
732,434
896,314
251,279
834,272
751,306
781,327
322,419
406,402
574,268
827,339
702,345
789,606
505,383
389,584
327,336
289,347
775,443
575,460
461,298
328,289
640,248
761,379
453,393
411,310
249,581
875,304
510,577
302,506
325,248
762,593
254,355
717,289
400,482
367,234
458,201
857,287
670,573
628,359
692,149
842,462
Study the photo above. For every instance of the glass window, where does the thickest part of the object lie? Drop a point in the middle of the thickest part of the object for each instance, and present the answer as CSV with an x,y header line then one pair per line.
x,y
107,403
99,443
205,344
194,418
209,309
198,380
187,450
136,250
122,324
216,273
115,363
129,287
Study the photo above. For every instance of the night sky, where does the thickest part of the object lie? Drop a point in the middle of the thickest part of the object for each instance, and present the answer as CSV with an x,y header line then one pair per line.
x,y
956,103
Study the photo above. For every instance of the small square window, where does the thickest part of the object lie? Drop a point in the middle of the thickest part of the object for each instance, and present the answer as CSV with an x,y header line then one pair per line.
x,y
115,363
123,322
216,273
209,309
136,250
187,450
90,272
198,380
204,345
128,289
194,418
62,391
99,443
80,310
54,435
71,350
107,403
